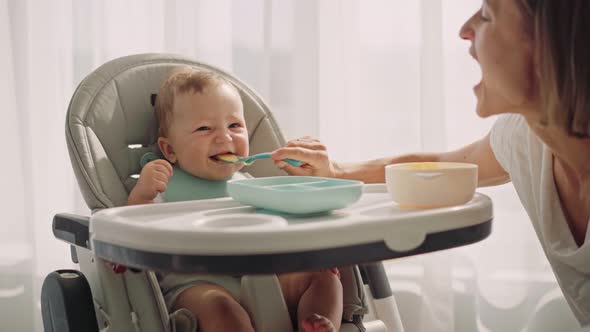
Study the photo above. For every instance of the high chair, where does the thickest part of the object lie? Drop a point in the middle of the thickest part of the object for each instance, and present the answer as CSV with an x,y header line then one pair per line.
x,y
110,124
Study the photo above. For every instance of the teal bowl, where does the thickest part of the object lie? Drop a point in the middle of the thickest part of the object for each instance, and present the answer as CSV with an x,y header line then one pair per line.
x,y
296,194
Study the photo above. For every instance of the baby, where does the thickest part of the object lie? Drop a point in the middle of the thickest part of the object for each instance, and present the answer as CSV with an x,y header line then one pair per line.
x,y
201,117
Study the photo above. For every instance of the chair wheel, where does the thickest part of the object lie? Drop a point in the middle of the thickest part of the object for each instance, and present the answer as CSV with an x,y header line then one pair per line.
x,y
66,303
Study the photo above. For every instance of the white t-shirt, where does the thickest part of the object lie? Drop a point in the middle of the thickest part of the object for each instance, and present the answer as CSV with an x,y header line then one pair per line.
x,y
530,165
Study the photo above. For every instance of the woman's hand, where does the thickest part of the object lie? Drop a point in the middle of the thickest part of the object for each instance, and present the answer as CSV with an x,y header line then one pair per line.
x,y
311,152
153,179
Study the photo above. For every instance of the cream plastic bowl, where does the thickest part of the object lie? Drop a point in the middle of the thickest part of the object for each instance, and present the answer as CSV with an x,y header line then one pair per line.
x,y
431,185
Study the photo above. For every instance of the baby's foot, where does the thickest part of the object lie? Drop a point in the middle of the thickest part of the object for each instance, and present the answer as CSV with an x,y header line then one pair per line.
x,y
317,323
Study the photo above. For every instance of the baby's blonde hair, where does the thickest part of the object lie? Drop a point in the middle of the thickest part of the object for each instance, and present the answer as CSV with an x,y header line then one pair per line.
x,y
183,80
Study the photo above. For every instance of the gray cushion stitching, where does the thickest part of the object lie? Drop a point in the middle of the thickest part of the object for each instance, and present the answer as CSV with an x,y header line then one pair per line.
x,y
121,178
80,163
257,125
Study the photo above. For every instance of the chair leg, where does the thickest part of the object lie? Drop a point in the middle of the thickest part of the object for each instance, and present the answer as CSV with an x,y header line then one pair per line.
x,y
383,303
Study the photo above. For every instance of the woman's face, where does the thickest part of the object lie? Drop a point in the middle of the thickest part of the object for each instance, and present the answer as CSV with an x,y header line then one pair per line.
x,y
503,49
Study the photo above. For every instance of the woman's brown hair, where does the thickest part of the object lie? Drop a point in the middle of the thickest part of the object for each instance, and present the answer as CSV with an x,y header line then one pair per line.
x,y
561,34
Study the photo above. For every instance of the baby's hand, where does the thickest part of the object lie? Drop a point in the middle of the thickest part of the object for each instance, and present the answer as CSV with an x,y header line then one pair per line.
x,y
152,180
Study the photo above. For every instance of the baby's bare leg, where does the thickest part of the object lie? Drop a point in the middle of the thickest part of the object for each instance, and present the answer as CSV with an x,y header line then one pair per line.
x,y
215,309
310,293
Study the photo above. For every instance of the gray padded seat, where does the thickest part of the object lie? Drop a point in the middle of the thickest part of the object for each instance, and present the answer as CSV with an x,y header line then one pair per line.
x,y
110,124
111,111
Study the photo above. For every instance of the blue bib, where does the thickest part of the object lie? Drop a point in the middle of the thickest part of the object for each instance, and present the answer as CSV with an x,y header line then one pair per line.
x,y
183,186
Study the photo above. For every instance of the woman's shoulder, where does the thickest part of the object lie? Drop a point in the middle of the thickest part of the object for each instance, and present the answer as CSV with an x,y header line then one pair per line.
x,y
512,140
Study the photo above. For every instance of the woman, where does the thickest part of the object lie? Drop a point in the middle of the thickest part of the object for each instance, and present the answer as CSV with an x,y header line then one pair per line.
x,y
535,62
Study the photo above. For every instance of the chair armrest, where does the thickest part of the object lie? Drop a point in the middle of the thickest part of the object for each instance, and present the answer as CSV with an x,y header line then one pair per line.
x,y
72,229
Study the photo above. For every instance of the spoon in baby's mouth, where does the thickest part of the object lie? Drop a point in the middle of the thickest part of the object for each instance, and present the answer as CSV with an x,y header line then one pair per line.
x,y
233,159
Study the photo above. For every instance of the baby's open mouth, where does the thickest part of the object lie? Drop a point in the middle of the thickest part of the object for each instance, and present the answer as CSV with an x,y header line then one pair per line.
x,y
224,157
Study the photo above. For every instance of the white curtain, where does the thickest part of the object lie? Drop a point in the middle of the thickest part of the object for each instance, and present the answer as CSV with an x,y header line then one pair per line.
x,y
370,78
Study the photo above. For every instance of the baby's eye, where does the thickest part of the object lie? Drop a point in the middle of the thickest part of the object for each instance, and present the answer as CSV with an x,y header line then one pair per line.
x,y
203,128
235,125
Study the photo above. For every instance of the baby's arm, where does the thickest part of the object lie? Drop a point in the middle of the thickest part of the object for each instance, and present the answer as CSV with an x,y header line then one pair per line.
x,y
152,180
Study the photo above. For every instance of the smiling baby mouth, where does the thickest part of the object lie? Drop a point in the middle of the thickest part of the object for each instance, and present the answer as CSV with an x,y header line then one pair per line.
x,y
216,157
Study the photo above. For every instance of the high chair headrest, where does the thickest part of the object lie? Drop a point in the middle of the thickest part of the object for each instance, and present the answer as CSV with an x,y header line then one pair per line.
x,y
110,124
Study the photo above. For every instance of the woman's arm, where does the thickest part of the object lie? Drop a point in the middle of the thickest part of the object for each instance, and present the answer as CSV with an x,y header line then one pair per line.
x,y
373,171
490,172
314,154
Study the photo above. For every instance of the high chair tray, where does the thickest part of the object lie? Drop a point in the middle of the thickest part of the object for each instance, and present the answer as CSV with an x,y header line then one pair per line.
x,y
224,236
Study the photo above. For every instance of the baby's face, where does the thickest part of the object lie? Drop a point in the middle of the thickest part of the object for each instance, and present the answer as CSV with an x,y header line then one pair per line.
x,y
203,126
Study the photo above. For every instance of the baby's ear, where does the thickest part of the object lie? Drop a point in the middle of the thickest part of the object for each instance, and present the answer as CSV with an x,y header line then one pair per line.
x,y
167,149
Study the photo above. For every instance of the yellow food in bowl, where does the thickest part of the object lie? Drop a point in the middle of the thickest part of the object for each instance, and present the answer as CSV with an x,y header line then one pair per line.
x,y
423,166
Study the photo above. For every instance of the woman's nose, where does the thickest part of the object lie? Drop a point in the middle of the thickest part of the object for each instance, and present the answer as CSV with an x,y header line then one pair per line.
x,y
467,31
